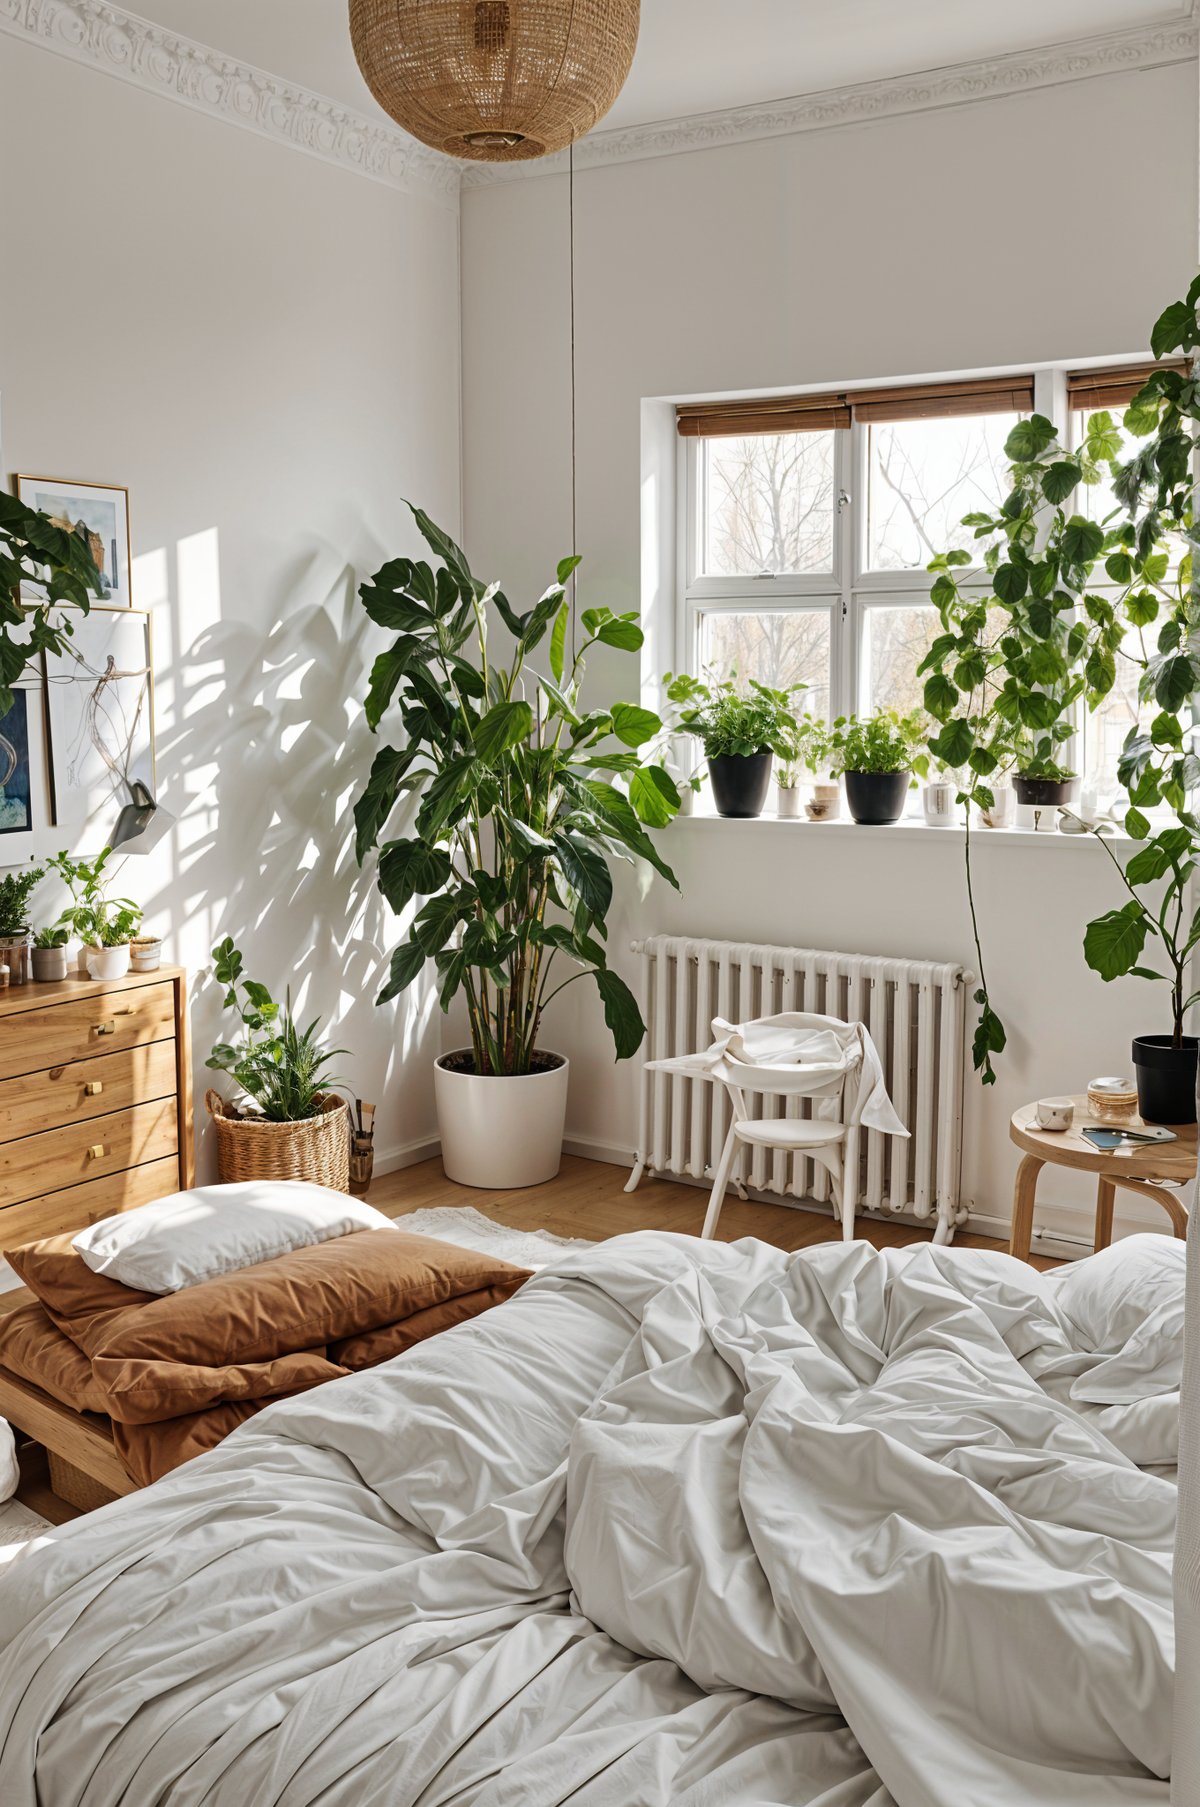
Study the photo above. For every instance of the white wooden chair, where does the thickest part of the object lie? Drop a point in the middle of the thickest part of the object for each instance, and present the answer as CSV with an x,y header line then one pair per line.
x,y
823,1138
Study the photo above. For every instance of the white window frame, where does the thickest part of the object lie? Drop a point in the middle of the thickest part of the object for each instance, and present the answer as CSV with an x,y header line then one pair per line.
x,y
851,590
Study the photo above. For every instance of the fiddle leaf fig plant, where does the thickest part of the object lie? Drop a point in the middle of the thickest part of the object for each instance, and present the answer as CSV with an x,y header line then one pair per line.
x,y
527,793
34,550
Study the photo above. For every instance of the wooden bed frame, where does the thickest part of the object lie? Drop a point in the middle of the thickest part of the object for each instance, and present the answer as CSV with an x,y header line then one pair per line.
x,y
85,1469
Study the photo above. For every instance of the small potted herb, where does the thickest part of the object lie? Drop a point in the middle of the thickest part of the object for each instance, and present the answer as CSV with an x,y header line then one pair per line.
x,y
104,924
878,756
16,888
740,731
50,953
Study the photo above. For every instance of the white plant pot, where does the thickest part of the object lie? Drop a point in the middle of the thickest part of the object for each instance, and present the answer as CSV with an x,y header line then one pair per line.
x,y
107,962
787,802
939,802
145,956
500,1132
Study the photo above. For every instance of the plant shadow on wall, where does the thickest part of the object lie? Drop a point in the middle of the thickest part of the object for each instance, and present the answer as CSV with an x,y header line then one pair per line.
x,y
265,749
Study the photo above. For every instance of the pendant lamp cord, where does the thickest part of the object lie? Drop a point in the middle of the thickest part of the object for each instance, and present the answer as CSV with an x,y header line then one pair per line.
x,y
574,545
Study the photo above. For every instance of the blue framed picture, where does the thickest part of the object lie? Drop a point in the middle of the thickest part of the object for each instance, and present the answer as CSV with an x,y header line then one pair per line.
x,y
16,780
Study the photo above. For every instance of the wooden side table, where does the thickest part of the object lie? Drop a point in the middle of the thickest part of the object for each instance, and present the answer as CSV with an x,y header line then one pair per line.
x,y
1149,1170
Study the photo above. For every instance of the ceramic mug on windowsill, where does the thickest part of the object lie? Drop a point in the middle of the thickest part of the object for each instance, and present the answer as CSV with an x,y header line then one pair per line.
x,y
938,800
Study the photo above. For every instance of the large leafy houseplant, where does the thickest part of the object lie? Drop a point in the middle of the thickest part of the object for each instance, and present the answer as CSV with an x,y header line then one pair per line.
x,y
878,755
1020,648
1159,765
33,550
741,728
527,792
99,920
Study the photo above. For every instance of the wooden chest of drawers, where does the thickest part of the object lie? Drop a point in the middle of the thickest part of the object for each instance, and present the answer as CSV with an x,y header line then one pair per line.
x,y
95,1100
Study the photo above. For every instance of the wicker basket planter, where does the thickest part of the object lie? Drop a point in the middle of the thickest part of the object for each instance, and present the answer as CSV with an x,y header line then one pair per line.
x,y
316,1149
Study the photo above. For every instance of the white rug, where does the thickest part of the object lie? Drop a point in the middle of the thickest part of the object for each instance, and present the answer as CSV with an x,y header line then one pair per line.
x,y
17,1526
472,1230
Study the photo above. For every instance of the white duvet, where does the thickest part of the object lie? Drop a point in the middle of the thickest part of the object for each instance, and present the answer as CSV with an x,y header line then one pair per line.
x,y
681,1523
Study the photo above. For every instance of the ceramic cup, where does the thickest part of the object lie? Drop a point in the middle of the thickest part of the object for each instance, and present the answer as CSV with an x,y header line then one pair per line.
x,y
1055,1113
939,800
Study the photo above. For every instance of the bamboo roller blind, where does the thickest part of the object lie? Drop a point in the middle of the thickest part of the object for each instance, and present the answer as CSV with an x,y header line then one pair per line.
x,y
1113,388
819,413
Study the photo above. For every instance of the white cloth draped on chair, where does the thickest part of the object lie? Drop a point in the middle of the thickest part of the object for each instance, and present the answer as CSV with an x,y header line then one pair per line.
x,y
795,1055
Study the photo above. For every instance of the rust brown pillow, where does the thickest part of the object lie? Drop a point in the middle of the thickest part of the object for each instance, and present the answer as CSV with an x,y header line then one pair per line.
x,y
375,1346
35,1350
150,1451
299,1301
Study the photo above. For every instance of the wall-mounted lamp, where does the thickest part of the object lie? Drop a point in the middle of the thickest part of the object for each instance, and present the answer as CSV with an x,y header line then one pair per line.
x,y
142,823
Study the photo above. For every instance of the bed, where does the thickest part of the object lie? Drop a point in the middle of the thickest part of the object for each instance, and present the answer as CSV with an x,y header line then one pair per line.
x,y
679,1523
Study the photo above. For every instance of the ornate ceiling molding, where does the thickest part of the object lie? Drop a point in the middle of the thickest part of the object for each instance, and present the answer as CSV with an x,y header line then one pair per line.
x,y
119,43
957,85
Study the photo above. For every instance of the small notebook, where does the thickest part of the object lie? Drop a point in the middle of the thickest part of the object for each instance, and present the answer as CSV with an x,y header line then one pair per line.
x,y
1108,1139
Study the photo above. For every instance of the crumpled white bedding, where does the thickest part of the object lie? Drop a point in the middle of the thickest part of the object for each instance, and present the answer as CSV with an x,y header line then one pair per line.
x,y
681,1523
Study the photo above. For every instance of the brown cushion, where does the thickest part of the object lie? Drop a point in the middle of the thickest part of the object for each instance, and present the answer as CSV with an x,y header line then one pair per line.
x,y
261,1332
149,1451
32,1348
375,1346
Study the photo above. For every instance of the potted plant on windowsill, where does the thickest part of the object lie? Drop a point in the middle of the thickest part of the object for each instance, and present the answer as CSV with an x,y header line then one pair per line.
x,y
878,757
297,1127
16,888
741,730
527,793
104,924
50,954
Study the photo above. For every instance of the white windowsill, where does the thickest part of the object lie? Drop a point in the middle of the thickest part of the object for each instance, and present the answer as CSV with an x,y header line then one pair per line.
x,y
908,828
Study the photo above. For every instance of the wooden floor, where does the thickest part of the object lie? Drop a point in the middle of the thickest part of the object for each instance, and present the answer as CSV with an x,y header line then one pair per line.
x,y
586,1200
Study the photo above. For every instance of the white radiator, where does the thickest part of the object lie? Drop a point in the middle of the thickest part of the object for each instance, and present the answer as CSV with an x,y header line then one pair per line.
x,y
915,1011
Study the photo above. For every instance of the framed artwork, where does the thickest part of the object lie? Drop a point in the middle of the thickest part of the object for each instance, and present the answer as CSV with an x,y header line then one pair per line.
x,y
26,808
99,511
99,713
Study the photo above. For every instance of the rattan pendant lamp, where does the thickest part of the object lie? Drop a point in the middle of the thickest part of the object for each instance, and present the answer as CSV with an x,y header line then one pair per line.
x,y
495,80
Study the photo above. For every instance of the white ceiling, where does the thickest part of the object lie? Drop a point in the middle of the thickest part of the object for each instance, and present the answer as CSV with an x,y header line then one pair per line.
x,y
697,56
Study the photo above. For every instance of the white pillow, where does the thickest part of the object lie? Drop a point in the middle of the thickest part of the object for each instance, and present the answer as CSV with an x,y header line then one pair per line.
x,y
1126,1303
194,1236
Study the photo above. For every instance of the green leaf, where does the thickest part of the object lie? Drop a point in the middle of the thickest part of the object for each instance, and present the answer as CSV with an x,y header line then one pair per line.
x,y
1174,330
502,727
379,798
1029,439
954,744
408,869
621,1013
1113,942
940,695
585,870
407,961
450,554
654,795
1137,827
437,921
634,726
1060,479
1174,681
1141,607
567,565
623,632
1082,540
558,639
1119,567
1010,584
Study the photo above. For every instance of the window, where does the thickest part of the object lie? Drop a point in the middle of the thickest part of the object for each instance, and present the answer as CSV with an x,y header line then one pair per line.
x,y
807,523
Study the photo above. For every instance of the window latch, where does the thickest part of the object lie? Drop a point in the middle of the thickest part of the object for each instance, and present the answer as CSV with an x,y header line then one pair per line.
x,y
763,576
843,499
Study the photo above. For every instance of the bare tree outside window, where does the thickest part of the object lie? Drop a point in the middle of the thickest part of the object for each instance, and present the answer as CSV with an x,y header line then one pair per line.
x,y
770,504
924,476
782,648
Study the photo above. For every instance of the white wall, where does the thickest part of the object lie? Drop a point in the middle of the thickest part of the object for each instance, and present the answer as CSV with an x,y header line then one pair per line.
x,y
972,236
265,349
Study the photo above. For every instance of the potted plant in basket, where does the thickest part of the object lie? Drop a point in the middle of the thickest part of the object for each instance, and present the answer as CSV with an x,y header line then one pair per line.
x,y
741,731
297,1128
528,792
878,757
16,888
50,953
104,924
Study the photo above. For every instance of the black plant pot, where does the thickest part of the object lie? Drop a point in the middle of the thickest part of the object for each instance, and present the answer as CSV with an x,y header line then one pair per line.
x,y
1166,1078
1043,793
877,796
740,782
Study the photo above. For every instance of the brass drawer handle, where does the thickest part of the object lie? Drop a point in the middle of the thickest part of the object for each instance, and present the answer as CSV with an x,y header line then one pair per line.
x,y
109,1028
96,1151
93,1088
